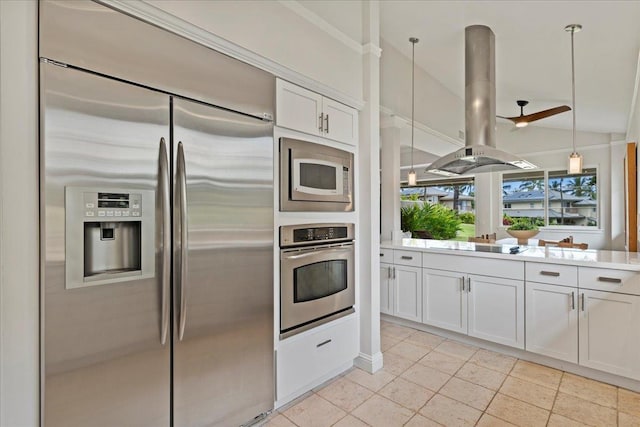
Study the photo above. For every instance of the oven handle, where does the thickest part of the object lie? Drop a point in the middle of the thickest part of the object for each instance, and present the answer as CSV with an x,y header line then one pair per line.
x,y
314,252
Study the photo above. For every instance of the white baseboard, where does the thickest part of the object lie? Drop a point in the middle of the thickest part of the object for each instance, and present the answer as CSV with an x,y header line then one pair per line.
x,y
369,363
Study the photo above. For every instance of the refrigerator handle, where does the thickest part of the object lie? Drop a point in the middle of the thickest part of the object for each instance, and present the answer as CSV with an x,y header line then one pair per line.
x,y
181,178
166,240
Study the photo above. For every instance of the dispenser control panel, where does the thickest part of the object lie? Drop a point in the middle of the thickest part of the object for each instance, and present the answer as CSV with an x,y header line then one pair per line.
x,y
112,205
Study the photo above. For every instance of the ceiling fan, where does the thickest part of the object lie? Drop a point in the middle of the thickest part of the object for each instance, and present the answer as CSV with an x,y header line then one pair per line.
x,y
523,120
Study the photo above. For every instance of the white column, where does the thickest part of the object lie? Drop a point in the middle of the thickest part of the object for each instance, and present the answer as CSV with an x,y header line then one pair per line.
x,y
389,183
368,207
19,394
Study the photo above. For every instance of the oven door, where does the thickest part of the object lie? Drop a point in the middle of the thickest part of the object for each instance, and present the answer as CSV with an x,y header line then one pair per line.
x,y
315,283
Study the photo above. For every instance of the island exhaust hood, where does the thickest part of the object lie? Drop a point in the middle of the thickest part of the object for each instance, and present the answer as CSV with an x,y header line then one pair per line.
x,y
479,153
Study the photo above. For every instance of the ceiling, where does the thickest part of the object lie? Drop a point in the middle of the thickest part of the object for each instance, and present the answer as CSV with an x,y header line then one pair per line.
x,y
533,53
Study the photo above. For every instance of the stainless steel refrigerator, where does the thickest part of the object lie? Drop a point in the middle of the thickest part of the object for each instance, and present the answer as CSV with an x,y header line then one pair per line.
x,y
157,257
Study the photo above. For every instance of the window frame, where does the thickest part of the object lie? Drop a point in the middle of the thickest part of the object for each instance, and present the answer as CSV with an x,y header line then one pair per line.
x,y
545,203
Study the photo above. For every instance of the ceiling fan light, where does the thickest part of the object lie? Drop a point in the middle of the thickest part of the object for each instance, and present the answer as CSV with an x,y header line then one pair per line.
x,y
575,163
522,124
411,178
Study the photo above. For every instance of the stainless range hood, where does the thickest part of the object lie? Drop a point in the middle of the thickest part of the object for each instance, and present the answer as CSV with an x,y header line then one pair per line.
x,y
479,153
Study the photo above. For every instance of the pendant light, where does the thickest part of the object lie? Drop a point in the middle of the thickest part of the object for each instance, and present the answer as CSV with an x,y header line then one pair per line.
x,y
575,159
412,179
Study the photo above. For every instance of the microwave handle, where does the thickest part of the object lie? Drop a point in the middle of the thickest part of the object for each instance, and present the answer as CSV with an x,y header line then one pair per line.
x,y
314,252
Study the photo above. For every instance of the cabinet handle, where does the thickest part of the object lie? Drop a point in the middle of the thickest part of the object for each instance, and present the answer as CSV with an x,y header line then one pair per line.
x,y
609,279
321,123
326,120
381,254
406,257
573,300
388,272
583,301
394,272
323,343
468,284
462,283
550,273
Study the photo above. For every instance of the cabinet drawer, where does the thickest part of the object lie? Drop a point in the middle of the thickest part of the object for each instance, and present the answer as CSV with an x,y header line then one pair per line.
x,y
413,259
386,255
475,265
604,279
305,358
553,274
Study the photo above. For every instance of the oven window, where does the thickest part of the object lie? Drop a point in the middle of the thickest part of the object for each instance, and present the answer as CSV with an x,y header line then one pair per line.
x,y
322,177
318,280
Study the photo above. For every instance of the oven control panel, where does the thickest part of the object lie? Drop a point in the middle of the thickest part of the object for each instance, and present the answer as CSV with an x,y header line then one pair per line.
x,y
305,234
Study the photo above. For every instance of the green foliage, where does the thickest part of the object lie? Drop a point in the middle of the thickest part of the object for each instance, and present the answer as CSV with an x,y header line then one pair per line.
x,y
523,224
467,217
439,221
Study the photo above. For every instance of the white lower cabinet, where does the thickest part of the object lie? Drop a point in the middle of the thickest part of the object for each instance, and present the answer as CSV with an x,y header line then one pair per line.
x,y
386,288
407,295
496,310
609,331
552,321
305,359
444,301
491,308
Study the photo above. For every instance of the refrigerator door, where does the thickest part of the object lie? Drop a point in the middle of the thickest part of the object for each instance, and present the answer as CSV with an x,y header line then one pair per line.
x,y
223,366
103,360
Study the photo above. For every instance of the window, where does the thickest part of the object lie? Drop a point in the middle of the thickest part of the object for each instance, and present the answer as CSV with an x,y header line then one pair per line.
x,y
564,200
455,193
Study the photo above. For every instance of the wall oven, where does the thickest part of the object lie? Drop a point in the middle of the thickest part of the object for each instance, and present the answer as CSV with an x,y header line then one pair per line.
x,y
316,275
315,177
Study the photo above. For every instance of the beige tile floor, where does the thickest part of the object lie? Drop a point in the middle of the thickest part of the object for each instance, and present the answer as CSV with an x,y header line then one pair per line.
x,y
430,381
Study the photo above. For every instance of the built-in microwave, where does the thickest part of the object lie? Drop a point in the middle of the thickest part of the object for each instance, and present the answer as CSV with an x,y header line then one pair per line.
x,y
315,177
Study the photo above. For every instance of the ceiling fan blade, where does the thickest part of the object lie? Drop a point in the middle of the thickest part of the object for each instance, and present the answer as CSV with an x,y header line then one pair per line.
x,y
545,113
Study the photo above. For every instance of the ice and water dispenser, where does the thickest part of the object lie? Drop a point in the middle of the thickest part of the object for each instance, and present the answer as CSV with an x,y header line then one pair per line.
x,y
109,235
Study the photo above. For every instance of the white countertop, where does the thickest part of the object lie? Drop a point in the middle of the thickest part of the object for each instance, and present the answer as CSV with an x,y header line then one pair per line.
x,y
620,260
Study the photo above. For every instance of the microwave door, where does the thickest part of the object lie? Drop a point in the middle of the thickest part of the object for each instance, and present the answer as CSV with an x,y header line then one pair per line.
x,y
316,177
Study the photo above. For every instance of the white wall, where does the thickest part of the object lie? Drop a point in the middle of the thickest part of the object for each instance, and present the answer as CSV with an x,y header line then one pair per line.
x,y
284,32
18,215
436,107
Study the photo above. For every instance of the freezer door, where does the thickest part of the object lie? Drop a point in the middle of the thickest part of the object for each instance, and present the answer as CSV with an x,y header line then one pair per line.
x,y
223,367
103,360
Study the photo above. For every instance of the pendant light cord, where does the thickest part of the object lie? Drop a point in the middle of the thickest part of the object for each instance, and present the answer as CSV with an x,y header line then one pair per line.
x,y
573,91
413,41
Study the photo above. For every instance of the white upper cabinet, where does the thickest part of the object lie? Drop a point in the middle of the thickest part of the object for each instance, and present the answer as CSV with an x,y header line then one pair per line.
x,y
306,111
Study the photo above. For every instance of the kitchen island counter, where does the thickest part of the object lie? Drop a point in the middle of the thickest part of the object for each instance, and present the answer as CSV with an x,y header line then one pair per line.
x,y
621,260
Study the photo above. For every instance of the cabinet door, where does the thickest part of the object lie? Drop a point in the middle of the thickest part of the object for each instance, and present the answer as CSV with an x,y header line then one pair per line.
x,y
552,321
496,310
298,108
340,122
444,301
609,334
407,295
386,288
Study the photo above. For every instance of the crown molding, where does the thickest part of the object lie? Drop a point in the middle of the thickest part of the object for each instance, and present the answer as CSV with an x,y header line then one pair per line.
x,y
148,13
325,26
